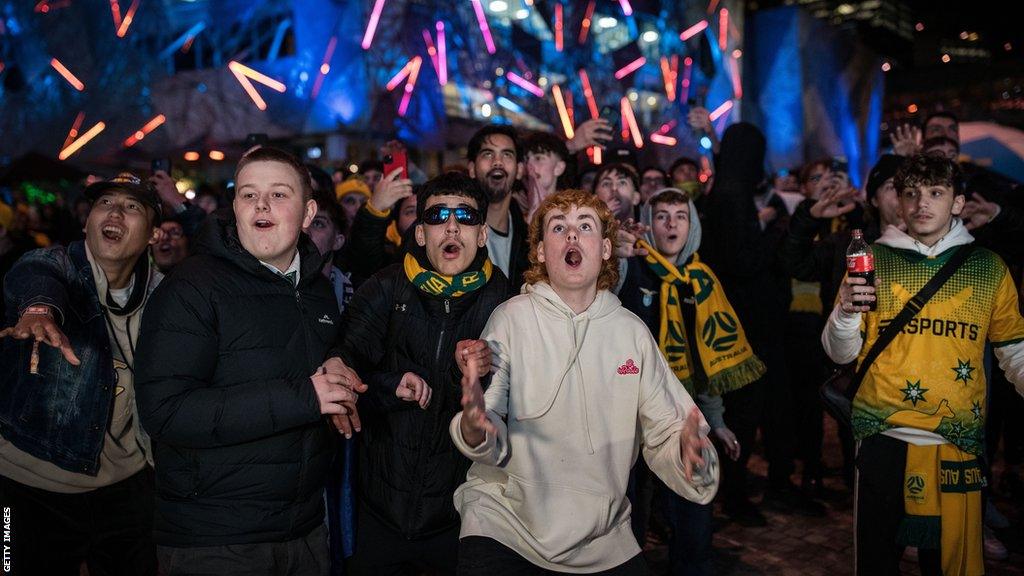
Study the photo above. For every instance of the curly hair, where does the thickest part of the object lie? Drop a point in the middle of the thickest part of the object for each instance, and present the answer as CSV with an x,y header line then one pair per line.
x,y
925,170
564,201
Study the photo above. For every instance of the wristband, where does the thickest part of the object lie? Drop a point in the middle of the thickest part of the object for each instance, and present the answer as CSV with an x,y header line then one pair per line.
x,y
38,311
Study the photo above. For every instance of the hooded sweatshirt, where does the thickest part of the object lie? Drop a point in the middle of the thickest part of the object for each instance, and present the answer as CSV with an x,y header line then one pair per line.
x,y
928,386
574,398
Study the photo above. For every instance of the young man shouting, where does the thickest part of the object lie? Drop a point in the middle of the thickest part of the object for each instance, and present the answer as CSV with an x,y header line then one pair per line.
x,y
579,389
401,334
70,439
920,411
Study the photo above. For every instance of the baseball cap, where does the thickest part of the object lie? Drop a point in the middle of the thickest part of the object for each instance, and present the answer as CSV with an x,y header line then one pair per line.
x,y
133,186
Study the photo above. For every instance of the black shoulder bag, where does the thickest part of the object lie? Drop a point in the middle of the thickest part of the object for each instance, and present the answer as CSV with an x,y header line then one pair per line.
x,y
838,390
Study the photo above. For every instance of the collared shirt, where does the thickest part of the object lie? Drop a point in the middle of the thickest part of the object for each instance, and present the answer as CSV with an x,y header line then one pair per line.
x,y
292,271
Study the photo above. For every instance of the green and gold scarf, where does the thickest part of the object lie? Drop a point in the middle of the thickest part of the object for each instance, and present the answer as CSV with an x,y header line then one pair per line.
x,y
722,346
451,286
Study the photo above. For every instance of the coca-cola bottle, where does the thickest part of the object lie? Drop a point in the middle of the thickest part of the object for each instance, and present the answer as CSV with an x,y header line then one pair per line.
x,y
860,263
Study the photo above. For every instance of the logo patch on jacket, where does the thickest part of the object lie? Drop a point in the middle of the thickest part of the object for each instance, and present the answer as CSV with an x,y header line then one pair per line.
x,y
326,320
629,368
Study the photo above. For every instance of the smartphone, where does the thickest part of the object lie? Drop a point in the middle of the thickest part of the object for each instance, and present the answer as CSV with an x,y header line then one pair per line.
x,y
611,115
696,101
396,159
159,164
256,139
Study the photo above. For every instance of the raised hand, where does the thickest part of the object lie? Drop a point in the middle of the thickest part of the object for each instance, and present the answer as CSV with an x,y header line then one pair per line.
x,y
692,444
625,240
412,388
593,132
906,140
978,212
390,190
43,329
474,425
699,119
833,201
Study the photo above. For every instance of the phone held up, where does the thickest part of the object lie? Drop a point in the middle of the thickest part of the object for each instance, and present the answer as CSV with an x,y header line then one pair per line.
x,y
160,164
396,159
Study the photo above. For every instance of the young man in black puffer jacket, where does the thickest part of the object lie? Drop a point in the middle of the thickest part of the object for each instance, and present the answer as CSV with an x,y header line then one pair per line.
x,y
409,332
234,387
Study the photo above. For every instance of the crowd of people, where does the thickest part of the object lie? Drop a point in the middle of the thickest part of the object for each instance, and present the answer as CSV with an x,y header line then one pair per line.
x,y
526,364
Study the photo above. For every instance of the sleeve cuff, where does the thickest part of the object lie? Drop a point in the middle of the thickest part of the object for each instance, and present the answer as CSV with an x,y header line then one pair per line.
x,y
374,212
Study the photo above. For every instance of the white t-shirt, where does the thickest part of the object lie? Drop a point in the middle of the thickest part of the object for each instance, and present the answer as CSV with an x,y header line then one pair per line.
x,y
499,247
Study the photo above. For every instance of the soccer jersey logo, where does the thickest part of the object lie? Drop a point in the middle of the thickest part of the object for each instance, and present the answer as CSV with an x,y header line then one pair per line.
x,y
720,332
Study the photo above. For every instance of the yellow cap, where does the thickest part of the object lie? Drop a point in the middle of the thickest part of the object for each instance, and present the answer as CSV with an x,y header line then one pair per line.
x,y
351,185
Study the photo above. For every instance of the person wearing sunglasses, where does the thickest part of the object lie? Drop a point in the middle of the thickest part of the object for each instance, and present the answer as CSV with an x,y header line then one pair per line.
x,y
402,333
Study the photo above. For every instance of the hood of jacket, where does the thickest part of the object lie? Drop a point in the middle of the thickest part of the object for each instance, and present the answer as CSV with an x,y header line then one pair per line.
x,y
958,235
740,160
693,235
219,238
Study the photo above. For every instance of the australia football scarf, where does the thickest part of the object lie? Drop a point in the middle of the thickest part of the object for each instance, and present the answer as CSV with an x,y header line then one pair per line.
x,y
722,346
942,504
437,284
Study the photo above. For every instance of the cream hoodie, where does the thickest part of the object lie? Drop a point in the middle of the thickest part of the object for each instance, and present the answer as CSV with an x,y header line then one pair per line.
x,y
574,398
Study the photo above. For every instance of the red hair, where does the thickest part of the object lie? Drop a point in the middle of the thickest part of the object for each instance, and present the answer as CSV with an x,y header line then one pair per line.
x,y
564,201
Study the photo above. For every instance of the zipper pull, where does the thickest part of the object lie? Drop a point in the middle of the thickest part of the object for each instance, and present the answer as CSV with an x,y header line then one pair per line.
x,y
447,306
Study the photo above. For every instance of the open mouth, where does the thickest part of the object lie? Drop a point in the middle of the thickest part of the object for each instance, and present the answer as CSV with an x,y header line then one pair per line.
x,y
263,224
573,258
113,233
673,237
451,250
497,175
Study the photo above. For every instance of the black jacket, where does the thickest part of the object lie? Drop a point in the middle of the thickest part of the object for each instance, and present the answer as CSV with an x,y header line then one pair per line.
x,y
408,466
240,447
745,257
519,261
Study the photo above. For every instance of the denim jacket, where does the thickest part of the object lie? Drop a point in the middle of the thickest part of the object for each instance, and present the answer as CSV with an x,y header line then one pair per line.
x,y
61,414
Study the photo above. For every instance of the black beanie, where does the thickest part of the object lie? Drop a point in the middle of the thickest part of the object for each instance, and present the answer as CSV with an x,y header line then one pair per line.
x,y
884,169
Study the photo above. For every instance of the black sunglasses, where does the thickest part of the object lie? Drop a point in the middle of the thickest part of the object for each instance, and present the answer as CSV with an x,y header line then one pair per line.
x,y
438,214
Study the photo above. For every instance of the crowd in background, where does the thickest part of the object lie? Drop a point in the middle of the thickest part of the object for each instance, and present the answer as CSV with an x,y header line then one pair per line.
x,y
775,239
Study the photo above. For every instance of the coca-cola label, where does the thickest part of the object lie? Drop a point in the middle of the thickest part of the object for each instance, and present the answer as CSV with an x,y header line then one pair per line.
x,y
860,263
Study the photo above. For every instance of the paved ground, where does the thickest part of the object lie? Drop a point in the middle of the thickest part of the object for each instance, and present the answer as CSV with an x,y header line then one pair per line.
x,y
800,546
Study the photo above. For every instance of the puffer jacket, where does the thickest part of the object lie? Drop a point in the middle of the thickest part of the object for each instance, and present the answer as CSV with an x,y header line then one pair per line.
x,y
408,466
241,449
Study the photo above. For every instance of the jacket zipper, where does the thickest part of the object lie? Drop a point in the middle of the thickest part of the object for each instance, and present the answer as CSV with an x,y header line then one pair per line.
x,y
309,359
418,498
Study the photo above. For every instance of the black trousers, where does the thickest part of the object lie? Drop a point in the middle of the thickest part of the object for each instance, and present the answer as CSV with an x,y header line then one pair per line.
x,y
805,362
384,552
480,556
306,556
110,528
881,466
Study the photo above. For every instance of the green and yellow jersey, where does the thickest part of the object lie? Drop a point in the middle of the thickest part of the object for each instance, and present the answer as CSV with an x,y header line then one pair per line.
x,y
931,376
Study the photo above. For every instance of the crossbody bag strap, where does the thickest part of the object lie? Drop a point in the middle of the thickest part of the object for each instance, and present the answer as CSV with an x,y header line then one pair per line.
x,y
910,309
